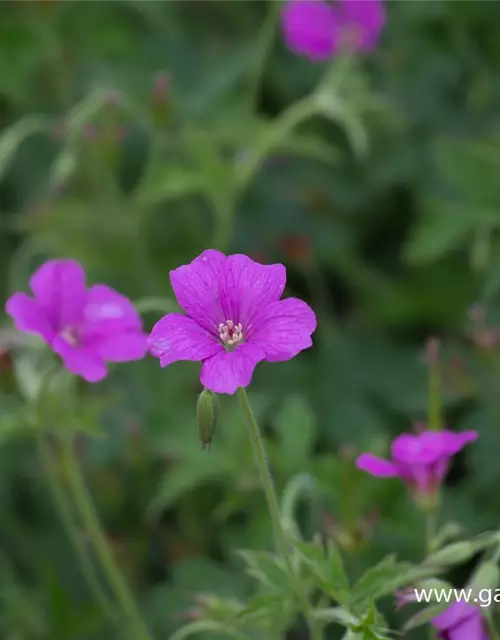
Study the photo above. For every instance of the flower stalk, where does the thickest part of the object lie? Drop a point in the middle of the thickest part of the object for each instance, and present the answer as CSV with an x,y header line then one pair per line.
x,y
65,513
86,510
274,511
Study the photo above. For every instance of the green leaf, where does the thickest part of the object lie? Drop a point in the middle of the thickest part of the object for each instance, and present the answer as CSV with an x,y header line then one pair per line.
x,y
206,626
265,608
327,568
379,581
459,552
443,227
268,569
336,614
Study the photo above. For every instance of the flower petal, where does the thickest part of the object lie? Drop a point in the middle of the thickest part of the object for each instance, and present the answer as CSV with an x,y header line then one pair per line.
x,y
248,287
197,288
422,448
455,616
376,466
107,313
458,441
283,329
82,362
365,18
28,317
122,347
177,337
228,370
308,27
59,288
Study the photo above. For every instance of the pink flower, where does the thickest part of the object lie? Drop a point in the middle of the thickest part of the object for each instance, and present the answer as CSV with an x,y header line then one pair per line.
x,y
359,24
235,319
309,27
318,30
421,460
461,621
86,327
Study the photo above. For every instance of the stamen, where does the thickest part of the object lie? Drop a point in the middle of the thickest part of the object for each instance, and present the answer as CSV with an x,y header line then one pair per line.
x,y
230,334
70,334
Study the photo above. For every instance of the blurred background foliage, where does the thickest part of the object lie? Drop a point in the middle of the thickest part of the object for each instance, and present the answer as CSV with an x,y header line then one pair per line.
x,y
136,134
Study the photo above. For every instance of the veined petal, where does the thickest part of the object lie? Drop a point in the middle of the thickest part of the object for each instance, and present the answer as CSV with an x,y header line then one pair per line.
x,y
376,466
28,317
197,288
248,286
59,288
177,337
122,347
82,362
283,329
228,370
106,313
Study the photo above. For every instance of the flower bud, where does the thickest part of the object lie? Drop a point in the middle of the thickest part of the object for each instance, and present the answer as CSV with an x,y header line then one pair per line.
x,y
206,416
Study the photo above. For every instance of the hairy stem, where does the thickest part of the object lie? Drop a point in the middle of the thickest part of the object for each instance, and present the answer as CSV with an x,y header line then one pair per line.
x,y
274,512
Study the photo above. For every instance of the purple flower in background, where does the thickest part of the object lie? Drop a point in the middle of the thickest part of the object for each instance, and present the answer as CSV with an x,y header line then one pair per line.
x,y
318,30
86,327
309,27
421,460
235,319
359,24
461,621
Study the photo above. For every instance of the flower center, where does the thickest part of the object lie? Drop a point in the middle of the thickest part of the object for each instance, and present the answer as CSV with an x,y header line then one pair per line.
x,y
230,334
70,334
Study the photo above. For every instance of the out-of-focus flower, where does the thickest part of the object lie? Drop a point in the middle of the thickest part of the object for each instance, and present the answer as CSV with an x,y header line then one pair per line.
x,y
359,24
421,460
86,327
319,30
461,621
309,28
235,319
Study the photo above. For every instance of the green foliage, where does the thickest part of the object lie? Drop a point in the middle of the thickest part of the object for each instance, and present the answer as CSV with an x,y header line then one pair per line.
x,y
135,134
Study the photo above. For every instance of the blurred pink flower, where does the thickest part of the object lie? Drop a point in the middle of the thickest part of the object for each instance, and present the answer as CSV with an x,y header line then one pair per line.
x,y
235,319
461,621
318,30
421,460
86,327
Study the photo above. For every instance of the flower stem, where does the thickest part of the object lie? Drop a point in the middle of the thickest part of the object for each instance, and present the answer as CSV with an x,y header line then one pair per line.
x,y
274,512
265,41
85,507
64,508
430,532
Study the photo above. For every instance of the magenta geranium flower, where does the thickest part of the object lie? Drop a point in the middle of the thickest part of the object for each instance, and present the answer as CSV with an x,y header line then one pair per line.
x,y
319,30
309,27
421,460
86,327
235,319
461,621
